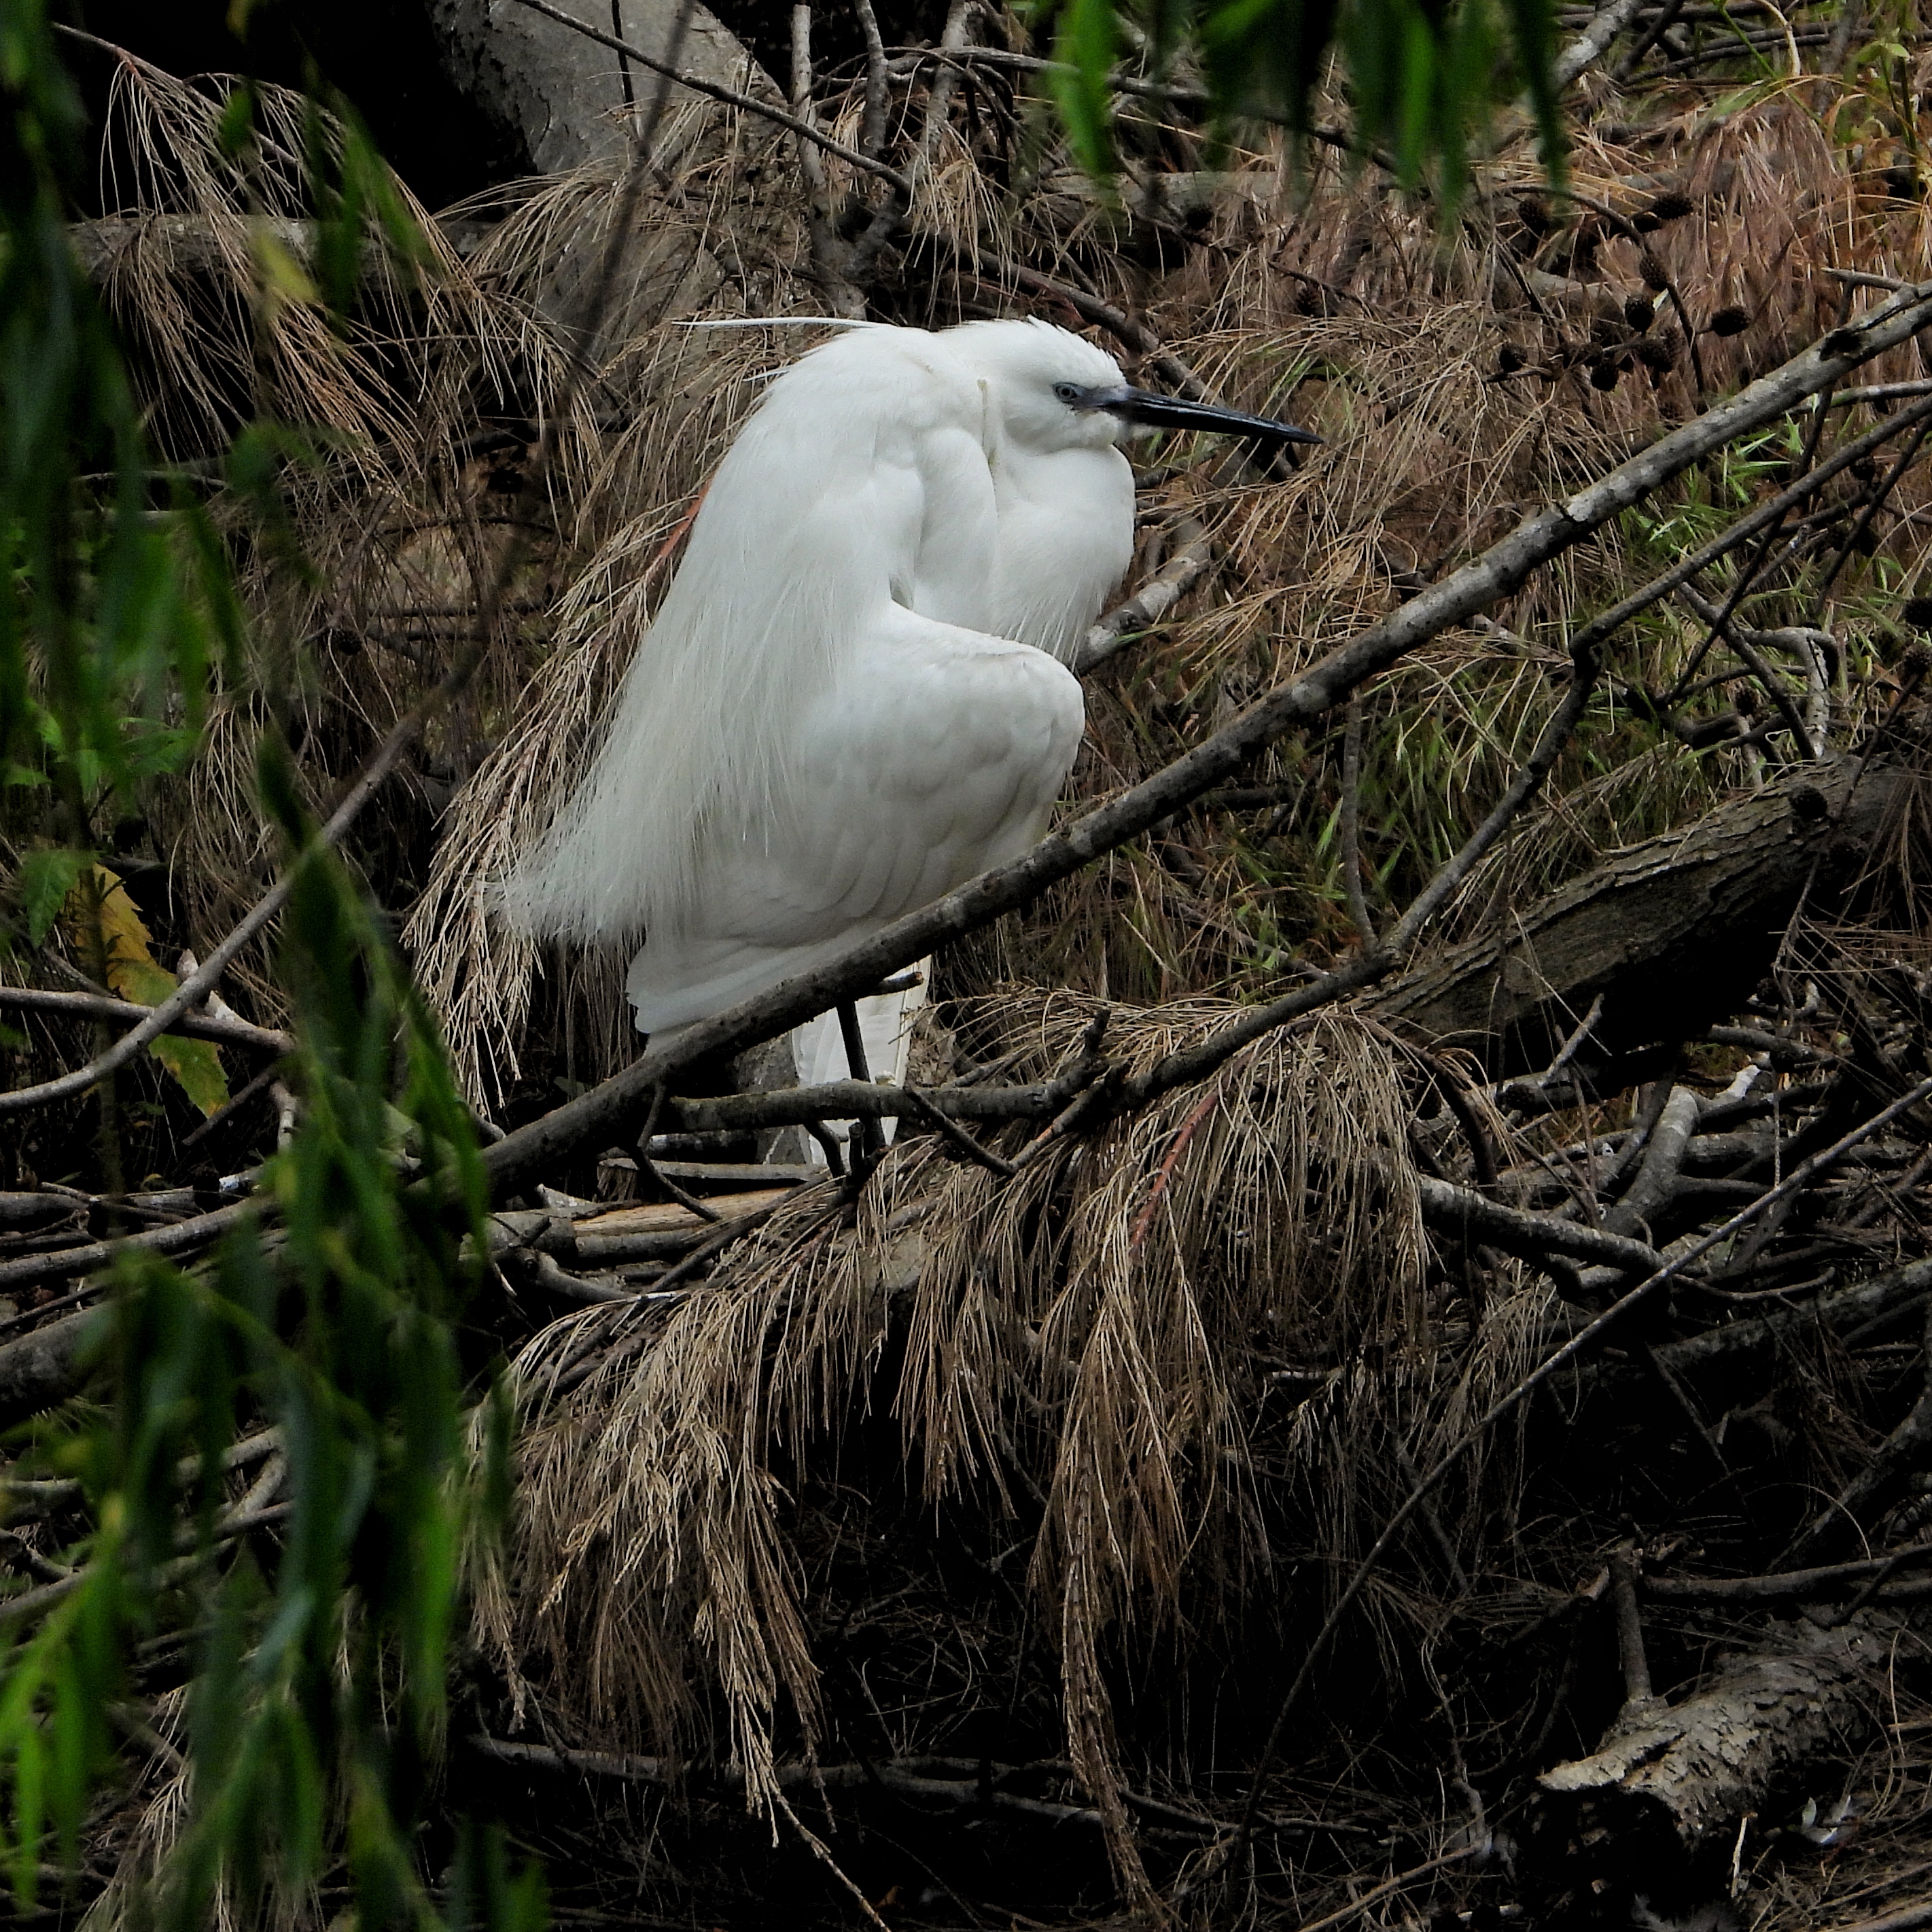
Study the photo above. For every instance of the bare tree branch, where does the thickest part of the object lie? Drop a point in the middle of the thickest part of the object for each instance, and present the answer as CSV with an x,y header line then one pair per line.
x,y
1151,601
872,128
522,1154
1594,42
225,1031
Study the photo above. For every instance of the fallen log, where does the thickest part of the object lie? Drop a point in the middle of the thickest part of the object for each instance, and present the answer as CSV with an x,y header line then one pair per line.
x,y
1655,1808
43,1367
1674,934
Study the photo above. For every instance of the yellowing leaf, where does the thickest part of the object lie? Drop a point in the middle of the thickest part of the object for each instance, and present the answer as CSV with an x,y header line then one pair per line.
x,y
100,899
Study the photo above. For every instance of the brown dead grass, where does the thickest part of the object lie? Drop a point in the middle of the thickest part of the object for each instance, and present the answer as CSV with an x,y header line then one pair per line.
x,y
1096,1333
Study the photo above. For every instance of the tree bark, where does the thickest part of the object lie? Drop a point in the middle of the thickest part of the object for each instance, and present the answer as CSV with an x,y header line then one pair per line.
x,y
42,1368
1660,1799
561,97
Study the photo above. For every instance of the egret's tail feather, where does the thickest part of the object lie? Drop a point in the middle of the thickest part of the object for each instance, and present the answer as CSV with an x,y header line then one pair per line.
x,y
672,987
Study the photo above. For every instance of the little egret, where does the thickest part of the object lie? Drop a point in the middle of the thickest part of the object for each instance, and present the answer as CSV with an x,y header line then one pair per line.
x,y
853,697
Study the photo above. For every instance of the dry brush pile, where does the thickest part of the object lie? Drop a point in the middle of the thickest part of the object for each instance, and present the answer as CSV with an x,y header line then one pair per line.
x,y
1386,1371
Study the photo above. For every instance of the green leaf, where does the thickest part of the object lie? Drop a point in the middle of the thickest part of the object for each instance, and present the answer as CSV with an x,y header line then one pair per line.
x,y
1532,29
46,877
237,124
1087,42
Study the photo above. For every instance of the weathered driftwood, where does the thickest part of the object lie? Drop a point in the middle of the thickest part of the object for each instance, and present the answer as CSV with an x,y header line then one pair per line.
x,y
1674,934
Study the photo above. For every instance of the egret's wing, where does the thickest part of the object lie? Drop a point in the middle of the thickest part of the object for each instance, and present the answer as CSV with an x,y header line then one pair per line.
x,y
862,478
935,753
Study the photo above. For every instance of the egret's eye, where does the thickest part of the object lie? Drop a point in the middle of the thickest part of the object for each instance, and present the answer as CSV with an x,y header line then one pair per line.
x,y
1069,393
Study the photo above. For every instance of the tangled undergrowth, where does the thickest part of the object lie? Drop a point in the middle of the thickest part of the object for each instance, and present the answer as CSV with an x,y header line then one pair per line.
x,y
1018,1488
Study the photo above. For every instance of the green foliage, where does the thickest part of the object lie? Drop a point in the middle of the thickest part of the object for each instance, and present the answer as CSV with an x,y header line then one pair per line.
x,y
320,1688
320,1656
1423,74
46,877
104,608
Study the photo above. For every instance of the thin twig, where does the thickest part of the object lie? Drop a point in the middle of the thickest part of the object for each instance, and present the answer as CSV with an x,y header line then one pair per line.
x,y
1351,827
1768,515
1376,1893
175,1238
1900,1451
1748,574
1188,1064
820,1852
650,1170
223,1031
1661,23
952,1131
1785,1585
229,1109
199,984
732,1232
1874,501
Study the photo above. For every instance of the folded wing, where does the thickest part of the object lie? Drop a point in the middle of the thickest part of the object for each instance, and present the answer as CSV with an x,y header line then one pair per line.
x,y
933,754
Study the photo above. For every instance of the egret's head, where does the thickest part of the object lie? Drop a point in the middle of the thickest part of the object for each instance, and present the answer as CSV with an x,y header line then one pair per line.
x,y
1055,391
1043,380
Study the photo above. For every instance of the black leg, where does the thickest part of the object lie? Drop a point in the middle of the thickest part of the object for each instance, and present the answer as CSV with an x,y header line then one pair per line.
x,y
870,1140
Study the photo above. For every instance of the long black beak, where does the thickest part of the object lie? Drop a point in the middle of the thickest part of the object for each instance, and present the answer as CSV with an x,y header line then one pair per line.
x,y
1143,406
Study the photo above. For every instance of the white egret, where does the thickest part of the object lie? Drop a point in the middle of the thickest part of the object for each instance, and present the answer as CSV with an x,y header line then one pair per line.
x,y
850,701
